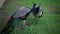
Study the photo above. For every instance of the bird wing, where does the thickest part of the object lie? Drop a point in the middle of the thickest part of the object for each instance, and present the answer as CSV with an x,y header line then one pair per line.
x,y
21,12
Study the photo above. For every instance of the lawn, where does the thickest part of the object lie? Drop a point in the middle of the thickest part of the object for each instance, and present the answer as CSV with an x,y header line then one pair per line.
x,y
49,23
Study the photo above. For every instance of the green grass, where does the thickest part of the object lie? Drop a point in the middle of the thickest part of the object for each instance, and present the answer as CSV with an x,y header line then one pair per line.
x,y
49,23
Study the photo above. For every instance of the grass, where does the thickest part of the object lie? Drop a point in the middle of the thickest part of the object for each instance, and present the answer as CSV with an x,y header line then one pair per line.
x,y
49,23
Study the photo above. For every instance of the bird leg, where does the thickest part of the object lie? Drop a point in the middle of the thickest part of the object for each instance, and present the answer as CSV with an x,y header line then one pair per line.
x,y
37,19
16,29
23,27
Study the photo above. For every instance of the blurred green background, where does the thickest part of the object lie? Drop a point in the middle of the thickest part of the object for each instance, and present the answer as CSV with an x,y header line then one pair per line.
x,y
49,23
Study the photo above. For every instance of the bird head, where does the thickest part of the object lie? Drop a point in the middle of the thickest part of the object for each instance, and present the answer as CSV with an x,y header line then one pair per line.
x,y
37,12
34,4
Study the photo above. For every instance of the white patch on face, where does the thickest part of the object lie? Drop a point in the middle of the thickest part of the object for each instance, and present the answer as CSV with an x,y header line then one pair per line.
x,y
36,6
40,7
39,14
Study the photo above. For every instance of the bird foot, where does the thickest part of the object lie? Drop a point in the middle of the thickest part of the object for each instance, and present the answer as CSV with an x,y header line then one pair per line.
x,y
23,27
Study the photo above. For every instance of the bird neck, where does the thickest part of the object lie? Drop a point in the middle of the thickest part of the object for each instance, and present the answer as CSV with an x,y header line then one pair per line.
x,y
30,11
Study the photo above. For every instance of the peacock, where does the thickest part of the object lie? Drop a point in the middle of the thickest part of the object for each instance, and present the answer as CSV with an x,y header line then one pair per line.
x,y
38,11
19,15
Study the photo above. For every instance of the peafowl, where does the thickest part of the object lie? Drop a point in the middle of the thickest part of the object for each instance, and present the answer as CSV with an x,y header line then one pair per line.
x,y
20,14
38,11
